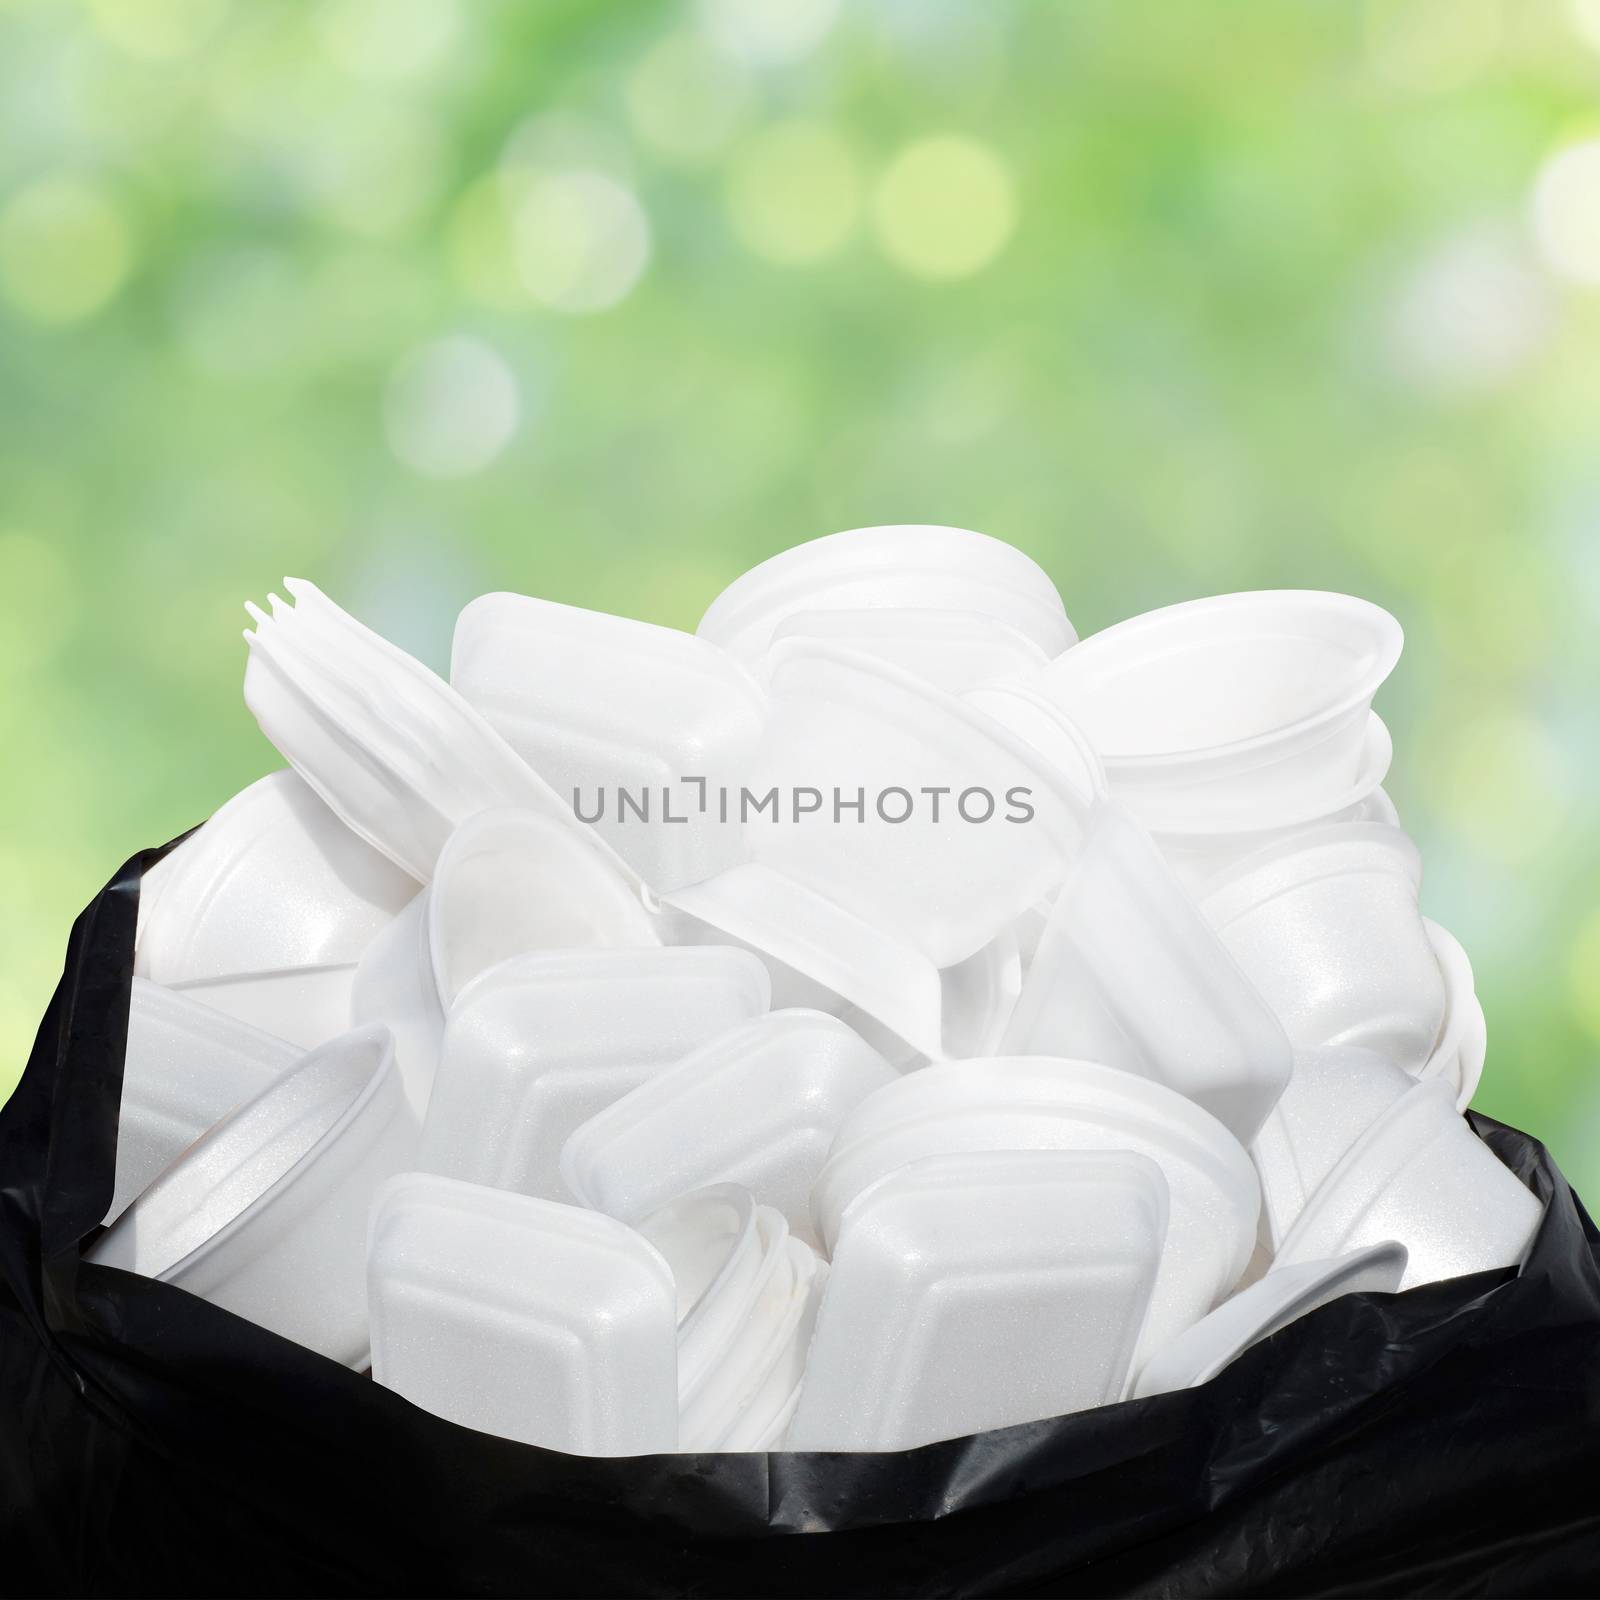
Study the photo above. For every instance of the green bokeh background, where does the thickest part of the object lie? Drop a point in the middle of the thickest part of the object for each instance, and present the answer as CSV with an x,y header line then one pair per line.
x,y
606,302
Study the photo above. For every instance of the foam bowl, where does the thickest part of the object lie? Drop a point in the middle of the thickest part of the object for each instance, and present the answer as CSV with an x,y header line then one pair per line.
x,y
185,1067
763,1411
1327,927
751,1313
817,953
506,882
266,1213
1236,706
1459,1051
942,883
305,1005
1336,1093
1422,1177
271,880
905,567
759,1371
1201,856
712,1243
1283,1296
1128,972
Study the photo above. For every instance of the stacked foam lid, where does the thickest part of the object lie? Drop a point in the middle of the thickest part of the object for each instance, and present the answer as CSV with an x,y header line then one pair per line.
x,y
874,1018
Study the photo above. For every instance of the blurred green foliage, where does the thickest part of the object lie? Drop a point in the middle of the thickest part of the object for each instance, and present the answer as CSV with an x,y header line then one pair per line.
x,y
606,302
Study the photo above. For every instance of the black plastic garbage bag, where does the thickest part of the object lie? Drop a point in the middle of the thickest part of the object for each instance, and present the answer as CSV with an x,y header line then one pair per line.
x,y
1442,1441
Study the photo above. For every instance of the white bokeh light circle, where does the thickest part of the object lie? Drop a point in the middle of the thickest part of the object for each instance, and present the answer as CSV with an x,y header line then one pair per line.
x,y
451,407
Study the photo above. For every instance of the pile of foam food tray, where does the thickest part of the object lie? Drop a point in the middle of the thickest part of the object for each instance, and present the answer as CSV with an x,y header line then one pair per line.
x,y
873,1018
